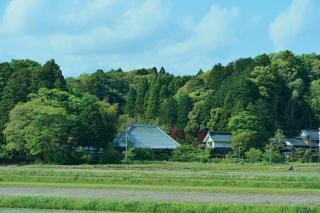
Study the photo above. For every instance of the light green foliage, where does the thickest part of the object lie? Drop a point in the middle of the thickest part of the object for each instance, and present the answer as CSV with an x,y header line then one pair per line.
x,y
244,121
270,156
54,123
189,153
41,132
218,120
253,155
194,119
243,141
142,206
274,142
265,80
315,97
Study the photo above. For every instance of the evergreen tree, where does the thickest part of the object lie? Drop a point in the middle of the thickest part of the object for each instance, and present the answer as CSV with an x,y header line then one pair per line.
x,y
168,112
130,105
164,93
184,107
142,88
153,101
50,76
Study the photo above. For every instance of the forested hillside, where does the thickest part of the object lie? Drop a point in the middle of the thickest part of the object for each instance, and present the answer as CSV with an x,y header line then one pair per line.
x,y
255,96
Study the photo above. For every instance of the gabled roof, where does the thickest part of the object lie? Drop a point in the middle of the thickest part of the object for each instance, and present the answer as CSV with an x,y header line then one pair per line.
x,y
313,134
220,136
146,136
298,142
295,142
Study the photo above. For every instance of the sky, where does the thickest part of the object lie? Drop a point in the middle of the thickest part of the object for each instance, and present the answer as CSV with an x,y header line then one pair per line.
x,y
183,36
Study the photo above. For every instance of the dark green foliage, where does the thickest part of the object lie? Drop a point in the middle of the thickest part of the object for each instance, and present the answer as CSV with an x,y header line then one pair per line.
x,y
153,101
184,107
168,112
141,154
189,153
50,76
131,100
247,96
142,88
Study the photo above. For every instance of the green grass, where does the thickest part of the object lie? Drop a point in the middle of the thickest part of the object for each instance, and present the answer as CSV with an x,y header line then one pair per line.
x,y
143,206
170,175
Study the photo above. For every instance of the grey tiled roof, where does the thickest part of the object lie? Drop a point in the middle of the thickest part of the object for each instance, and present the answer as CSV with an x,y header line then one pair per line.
x,y
298,142
313,134
221,136
146,136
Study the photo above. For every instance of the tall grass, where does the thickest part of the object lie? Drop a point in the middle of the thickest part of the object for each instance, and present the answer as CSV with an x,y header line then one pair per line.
x,y
144,206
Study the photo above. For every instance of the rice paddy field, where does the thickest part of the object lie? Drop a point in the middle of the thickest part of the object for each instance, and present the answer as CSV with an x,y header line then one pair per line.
x,y
161,187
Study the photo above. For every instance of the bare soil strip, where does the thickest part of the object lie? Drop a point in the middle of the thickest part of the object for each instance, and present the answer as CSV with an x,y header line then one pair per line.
x,y
131,194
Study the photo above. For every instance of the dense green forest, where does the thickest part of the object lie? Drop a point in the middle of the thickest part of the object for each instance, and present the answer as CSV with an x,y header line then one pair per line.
x,y
45,117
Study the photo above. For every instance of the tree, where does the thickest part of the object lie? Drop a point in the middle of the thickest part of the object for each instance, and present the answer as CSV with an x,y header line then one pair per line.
x,y
153,101
194,120
184,107
164,93
142,88
274,142
168,112
265,80
253,155
315,97
243,141
244,121
218,119
50,76
130,106
49,135
53,124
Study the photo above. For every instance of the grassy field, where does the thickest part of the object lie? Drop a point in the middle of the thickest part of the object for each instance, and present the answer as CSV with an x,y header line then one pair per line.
x,y
183,179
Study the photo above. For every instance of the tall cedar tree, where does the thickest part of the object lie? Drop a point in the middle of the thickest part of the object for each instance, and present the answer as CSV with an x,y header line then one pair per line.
x,y
131,99
184,107
153,101
168,112
142,88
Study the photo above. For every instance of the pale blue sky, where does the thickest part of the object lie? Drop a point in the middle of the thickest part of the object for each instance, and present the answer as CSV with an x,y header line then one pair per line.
x,y
181,35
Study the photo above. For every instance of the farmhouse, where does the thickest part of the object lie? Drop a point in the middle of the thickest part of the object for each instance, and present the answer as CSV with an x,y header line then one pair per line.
x,y
307,139
146,136
218,141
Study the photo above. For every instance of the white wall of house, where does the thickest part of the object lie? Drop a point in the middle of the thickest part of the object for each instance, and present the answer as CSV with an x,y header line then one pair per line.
x,y
210,143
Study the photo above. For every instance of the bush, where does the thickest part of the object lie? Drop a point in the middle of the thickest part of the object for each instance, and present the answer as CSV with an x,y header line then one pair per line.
x,y
189,153
276,157
300,155
253,155
139,154
111,156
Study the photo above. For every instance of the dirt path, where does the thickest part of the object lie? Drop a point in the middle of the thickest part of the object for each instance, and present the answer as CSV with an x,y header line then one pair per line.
x,y
129,194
